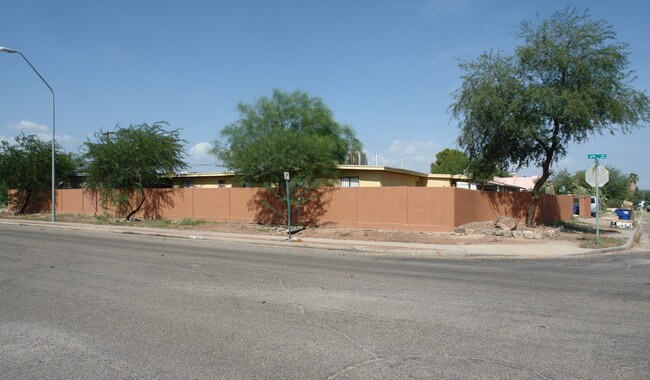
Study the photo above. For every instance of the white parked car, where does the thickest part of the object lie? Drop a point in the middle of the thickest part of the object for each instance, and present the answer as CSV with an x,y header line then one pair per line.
x,y
594,205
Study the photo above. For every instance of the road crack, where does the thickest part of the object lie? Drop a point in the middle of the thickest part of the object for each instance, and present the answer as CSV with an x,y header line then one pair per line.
x,y
291,302
353,341
353,367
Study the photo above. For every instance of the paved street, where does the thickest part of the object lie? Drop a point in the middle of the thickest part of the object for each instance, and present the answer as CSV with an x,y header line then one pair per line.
x,y
83,304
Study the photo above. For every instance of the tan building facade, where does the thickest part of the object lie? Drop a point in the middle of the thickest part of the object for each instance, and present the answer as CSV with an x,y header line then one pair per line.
x,y
379,176
205,180
351,176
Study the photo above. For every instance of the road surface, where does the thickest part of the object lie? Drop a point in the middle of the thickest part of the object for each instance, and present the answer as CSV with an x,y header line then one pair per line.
x,y
79,304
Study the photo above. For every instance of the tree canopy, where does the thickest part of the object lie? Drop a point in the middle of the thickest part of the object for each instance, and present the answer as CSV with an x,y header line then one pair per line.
x,y
121,164
288,132
613,193
564,183
568,80
4,194
26,168
617,189
450,161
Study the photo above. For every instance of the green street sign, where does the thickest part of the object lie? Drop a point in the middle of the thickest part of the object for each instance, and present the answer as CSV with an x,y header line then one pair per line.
x,y
597,156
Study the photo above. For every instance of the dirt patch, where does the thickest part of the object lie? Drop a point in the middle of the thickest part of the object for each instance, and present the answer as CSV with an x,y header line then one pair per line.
x,y
397,236
478,232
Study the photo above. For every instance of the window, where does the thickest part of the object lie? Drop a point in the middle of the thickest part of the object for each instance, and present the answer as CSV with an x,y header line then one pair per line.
x,y
187,184
349,181
222,183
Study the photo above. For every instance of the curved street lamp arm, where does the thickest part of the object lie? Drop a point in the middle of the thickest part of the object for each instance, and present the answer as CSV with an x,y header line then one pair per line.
x,y
53,206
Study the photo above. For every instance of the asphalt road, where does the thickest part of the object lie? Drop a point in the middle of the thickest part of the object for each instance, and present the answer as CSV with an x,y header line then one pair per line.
x,y
76,304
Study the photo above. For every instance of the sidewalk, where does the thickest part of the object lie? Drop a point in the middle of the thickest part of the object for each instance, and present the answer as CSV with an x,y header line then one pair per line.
x,y
543,249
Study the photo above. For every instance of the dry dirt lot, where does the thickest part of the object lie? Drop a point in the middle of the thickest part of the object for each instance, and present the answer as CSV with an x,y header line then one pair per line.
x,y
480,232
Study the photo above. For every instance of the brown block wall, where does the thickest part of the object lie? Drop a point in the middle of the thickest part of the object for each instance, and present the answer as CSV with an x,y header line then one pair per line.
x,y
242,207
72,201
472,205
396,208
431,210
211,204
584,203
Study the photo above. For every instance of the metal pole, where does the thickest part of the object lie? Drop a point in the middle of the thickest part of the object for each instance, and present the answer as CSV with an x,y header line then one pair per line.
x,y
288,211
597,205
7,50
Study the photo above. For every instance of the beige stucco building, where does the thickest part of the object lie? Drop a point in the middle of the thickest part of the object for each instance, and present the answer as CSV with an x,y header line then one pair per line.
x,y
205,180
351,176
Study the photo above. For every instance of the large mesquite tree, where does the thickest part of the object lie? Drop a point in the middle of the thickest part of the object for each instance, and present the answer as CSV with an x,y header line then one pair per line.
x,y
568,80
121,164
287,132
292,132
26,170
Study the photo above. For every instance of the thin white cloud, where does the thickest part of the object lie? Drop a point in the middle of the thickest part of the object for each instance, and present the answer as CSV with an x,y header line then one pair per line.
x,y
201,151
413,155
28,127
63,140
42,131
565,163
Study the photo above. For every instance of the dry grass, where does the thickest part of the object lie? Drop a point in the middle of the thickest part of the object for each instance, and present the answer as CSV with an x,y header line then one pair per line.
x,y
589,241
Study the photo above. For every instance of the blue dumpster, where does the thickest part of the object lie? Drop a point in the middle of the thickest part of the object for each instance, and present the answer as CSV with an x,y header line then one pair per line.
x,y
576,209
623,214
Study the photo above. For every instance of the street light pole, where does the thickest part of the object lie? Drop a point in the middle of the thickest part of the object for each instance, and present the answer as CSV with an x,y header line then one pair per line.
x,y
53,207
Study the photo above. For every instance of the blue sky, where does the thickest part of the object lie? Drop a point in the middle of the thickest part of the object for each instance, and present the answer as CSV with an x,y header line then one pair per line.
x,y
387,68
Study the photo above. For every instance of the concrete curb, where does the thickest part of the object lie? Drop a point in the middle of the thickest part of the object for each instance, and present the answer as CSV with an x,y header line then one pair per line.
x,y
259,240
385,249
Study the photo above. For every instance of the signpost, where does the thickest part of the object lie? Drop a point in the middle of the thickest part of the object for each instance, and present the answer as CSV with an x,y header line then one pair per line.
x,y
597,176
286,180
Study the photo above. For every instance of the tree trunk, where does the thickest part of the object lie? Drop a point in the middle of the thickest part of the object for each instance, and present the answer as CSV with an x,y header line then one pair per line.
x,y
133,212
546,173
532,209
28,196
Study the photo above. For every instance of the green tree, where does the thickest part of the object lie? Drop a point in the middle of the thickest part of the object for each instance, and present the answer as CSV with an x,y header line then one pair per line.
x,y
4,194
450,161
561,183
26,168
288,132
564,183
617,189
567,81
120,165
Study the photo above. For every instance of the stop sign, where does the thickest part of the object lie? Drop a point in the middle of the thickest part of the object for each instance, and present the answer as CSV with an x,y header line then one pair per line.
x,y
597,171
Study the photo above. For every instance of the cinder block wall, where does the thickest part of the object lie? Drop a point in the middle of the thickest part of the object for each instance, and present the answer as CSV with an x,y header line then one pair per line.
x,y
395,208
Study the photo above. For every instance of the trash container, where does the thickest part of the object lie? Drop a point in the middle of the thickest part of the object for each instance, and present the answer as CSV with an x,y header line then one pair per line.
x,y
576,209
623,214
